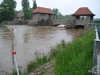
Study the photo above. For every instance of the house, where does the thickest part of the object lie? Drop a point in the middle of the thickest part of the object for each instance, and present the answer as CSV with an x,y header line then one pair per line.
x,y
41,14
19,16
83,16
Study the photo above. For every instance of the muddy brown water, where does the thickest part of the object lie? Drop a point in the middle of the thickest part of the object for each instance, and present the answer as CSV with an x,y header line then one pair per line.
x,y
30,42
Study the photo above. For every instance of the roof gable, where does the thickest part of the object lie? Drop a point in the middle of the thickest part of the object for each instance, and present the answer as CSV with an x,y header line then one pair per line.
x,y
19,15
83,11
43,10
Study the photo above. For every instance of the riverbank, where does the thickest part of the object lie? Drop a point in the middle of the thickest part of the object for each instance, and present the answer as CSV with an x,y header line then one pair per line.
x,y
76,58
71,59
66,55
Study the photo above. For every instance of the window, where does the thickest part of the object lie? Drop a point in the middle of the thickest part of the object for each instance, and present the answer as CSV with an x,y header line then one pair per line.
x,y
83,17
91,17
77,17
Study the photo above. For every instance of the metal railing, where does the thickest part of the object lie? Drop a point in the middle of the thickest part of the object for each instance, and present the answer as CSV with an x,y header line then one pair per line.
x,y
96,55
12,31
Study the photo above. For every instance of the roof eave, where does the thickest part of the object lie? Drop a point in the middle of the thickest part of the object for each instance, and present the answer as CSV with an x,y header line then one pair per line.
x,y
83,14
42,13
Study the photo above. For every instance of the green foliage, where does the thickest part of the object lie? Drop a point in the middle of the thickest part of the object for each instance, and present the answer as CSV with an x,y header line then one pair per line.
x,y
5,22
27,14
60,16
20,73
6,15
39,61
68,17
25,4
79,72
34,4
97,22
26,9
8,4
43,71
15,12
56,11
55,51
7,10
75,58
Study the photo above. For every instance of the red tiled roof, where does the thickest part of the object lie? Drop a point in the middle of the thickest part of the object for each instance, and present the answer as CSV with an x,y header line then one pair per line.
x,y
43,10
83,11
19,15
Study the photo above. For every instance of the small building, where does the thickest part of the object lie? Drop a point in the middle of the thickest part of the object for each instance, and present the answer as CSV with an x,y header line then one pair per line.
x,y
41,14
19,16
83,16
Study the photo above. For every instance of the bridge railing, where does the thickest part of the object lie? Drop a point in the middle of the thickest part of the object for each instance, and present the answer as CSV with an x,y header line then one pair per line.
x,y
96,52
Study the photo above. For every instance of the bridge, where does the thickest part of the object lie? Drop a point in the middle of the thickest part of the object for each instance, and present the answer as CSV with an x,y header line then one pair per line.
x,y
59,21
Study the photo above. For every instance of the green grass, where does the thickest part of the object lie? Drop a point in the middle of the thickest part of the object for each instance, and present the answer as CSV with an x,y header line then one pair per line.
x,y
35,64
40,61
76,58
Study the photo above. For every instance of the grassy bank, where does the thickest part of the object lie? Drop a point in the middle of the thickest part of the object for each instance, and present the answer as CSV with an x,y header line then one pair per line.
x,y
35,64
76,58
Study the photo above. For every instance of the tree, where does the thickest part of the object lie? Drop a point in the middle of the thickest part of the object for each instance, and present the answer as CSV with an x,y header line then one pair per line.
x,y
26,9
56,11
7,10
25,4
68,17
27,14
34,4
60,16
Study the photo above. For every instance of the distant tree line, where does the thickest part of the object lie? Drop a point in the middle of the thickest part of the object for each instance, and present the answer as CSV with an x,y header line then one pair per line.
x,y
8,12
60,16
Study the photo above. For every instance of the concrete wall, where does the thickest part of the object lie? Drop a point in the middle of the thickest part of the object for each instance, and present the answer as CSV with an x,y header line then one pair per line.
x,y
19,22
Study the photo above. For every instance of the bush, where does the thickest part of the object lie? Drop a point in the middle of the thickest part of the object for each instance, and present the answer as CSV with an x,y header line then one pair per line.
x,y
4,22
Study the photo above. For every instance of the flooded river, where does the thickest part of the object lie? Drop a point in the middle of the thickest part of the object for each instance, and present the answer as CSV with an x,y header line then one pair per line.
x,y
29,42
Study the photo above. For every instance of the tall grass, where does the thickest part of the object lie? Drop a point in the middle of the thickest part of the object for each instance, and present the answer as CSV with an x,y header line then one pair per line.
x,y
40,61
76,58
35,64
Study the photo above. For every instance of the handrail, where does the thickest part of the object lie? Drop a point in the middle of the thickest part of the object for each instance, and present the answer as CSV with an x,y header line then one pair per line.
x,y
96,58
96,32
12,31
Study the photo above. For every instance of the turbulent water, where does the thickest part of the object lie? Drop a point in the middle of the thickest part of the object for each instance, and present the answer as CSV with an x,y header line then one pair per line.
x,y
30,42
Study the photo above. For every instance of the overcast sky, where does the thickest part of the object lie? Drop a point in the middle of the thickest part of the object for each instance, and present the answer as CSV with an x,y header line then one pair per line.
x,y
66,6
